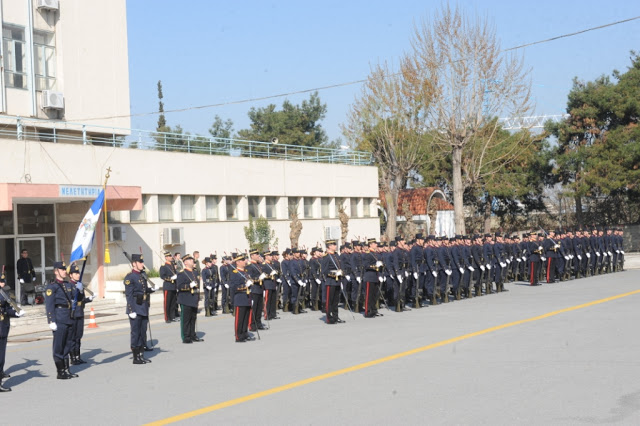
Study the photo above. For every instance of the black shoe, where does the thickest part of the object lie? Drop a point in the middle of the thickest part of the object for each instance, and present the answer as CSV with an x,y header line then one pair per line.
x,y
250,339
339,321
197,339
168,322
241,340
3,389
378,314
147,349
175,320
253,329
187,341
66,365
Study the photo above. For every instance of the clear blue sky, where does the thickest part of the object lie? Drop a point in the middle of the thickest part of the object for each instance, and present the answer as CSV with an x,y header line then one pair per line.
x,y
209,52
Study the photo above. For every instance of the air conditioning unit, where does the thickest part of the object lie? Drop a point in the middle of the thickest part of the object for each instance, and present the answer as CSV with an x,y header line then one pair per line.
x,y
332,232
47,4
117,233
52,100
173,236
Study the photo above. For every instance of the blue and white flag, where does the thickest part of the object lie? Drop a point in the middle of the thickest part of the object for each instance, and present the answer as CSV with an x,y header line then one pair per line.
x,y
84,237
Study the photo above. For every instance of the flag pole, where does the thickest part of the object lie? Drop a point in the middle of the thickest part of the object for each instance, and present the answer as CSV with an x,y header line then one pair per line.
x,y
107,256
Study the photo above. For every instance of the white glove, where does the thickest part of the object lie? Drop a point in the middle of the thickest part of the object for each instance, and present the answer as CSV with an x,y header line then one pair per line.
x,y
262,276
508,261
380,278
434,273
524,258
589,255
174,276
622,251
90,298
226,286
278,280
359,280
133,315
318,281
461,270
598,253
579,257
571,256
610,254
209,287
540,248
489,267
471,268
379,264
300,283
53,326
348,277
400,279
339,273
193,284
34,278
384,279
406,273
519,260
617,251
21,313
566,258
448,272
503,264
543,258
557,246
21,281
481,267
249,283
415,275
273,273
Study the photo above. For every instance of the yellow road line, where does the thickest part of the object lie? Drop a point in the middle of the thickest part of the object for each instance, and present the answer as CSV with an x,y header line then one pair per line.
x,y
364,365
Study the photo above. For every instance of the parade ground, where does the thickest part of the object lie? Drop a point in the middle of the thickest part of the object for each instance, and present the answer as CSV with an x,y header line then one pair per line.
x,y
564,353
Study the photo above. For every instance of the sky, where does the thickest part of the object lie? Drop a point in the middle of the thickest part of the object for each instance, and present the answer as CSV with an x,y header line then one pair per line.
x,y
212,52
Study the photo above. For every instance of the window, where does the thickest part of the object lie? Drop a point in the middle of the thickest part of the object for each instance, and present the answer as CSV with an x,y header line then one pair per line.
x,y
339,204
165,208
254,207
140,215
6,223
36,219
354,207
271,207
44,60
114,217
232,208
308,207
293,206
188,207
324,207
14,57
212,204
366,207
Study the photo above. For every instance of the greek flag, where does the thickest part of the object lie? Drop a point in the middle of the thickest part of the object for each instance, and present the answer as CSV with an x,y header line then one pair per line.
x,y
84,237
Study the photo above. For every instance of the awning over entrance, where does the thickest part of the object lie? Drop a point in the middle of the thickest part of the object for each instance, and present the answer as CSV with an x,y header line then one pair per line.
x,y
118,197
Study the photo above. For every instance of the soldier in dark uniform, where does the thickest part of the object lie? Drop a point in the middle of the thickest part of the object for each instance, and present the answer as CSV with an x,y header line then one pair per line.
x,y
59,294
431,269
207,282
374,267
77,309
169,276
257,276
137,292
416,256
333,274
296,271
225,276
315,277
188,298
270,287
478,264
215,279
26,273
239,286
6,312
535,250
286,279
196,267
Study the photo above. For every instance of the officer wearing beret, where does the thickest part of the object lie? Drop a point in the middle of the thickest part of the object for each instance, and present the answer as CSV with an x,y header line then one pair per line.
x,y
239,287
6,312
77,309
169,276
137,291
58,301
333,273
188,297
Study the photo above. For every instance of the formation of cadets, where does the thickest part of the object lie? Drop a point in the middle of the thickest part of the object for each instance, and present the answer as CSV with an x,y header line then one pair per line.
x,y
363,276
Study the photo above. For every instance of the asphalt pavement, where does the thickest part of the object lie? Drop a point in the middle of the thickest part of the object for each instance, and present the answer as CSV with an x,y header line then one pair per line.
x,y
565,353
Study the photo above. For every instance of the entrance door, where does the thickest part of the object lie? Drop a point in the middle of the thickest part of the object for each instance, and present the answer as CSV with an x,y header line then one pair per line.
x,y
36,252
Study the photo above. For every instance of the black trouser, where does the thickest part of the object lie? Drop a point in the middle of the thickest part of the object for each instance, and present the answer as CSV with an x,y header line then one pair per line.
x,y
176,312
62,342
331,304
188,316
3,345
257,304
371,295
138,330
209,299
242,322
271,303
534,266
169,305
77,332
550,271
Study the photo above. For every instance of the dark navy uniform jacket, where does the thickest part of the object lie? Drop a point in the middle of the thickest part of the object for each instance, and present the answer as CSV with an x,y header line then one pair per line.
x,y
238,287
79,299
269,283
186,295
6,312
166,272
136,293
255,270
371,271
329,264
58,297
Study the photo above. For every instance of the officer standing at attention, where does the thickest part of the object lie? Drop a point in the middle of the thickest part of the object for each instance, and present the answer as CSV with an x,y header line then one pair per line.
x,y
58,298
77,310
136,292
254,270
207,281
168,275
188,297
26,273
239,284
372,277
6,312
330,266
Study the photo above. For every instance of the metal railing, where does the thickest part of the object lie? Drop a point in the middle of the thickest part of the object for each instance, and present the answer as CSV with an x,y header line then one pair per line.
x,y
56,131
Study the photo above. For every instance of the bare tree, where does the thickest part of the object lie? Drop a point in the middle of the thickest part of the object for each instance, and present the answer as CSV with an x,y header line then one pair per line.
x,y
385,121
457,65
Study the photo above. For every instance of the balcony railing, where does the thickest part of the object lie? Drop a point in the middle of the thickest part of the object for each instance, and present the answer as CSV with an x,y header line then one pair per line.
x,y
90,134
